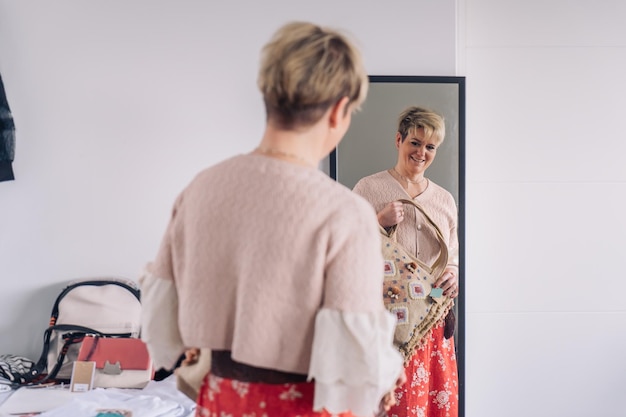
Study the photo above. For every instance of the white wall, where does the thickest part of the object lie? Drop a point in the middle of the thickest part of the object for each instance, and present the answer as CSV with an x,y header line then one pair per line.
x,y
119,103
546,322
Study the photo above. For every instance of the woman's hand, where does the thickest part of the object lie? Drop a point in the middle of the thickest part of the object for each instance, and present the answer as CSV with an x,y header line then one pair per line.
x,y
191,356
448,282
391,214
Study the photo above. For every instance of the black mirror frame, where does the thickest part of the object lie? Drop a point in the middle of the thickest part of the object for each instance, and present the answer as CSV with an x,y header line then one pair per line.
x,y
332,168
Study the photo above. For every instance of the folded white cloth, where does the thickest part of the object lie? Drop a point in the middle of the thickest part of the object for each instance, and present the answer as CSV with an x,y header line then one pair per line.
x,y
157,399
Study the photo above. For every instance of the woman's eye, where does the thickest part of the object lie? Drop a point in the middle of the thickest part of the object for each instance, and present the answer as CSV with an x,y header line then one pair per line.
x,y
431,148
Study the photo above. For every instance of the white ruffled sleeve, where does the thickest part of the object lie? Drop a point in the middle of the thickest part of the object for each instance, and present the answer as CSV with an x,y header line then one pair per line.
x,y
159,320
353,362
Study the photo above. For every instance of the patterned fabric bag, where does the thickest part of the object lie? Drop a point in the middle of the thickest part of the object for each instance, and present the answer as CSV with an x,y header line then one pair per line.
x,y
408,288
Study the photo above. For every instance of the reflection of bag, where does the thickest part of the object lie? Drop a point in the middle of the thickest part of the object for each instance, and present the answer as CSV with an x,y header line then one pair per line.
x,y
121,362
408,289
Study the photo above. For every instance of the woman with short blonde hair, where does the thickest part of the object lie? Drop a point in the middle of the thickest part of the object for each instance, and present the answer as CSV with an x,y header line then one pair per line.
x,y
304,70
275,268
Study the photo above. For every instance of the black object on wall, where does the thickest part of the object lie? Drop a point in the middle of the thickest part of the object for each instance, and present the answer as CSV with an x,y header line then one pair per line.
x,y
7,138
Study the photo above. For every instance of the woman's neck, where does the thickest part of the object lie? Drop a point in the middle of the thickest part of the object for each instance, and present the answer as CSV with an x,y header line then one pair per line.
x,y
412,188
291,146
306,145
416,179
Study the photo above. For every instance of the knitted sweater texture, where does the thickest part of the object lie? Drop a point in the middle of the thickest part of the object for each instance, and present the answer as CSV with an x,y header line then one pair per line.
x,y
414,233
256,246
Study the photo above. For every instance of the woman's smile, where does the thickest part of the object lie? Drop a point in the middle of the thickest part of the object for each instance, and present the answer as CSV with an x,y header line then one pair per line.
x,y
416,152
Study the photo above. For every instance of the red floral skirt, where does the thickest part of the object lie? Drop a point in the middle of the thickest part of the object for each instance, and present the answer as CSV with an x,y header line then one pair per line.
x,y
432,388
228,397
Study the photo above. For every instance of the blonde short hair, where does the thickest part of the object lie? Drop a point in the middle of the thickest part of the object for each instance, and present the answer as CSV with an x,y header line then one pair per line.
x,y
306,69
414,118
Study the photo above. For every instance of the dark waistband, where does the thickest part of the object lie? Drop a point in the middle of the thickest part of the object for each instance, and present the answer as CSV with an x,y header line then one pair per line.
x,y
224,366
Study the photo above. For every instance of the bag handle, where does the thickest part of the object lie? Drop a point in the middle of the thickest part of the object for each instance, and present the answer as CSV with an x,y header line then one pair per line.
x,y
92,350
442,259
75,334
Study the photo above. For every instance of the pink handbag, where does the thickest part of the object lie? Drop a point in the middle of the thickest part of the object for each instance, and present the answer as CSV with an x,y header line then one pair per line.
x,y
121,362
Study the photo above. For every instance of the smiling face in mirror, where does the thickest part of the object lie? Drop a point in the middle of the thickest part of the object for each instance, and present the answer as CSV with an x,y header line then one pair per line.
x,y
420,132
415,153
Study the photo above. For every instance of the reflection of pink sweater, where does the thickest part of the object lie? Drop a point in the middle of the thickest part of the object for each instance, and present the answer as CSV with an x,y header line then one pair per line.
x,y
381,188
256,246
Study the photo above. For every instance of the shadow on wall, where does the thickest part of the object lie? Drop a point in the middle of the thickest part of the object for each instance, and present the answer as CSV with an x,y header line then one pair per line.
x,y
34,316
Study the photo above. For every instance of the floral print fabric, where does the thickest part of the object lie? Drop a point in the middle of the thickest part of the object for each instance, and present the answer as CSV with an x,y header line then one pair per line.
x,y
221,397
432,381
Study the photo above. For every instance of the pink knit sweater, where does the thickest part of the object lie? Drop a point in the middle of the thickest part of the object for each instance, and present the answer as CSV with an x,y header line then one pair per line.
x,y
256,246
414,233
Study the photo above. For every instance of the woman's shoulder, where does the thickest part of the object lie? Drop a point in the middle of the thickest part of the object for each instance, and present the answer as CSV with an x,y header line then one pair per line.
x,y
222,167
378,177
374,182
379,188
342,196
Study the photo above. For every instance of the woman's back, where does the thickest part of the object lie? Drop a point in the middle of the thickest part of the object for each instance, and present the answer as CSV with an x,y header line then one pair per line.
x,y
272,265
260,245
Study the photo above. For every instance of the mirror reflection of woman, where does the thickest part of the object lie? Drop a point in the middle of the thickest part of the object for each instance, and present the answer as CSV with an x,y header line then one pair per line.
x,y
432,386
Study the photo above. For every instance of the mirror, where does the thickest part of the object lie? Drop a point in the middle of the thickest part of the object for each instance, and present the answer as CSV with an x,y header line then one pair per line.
x,y
368,147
